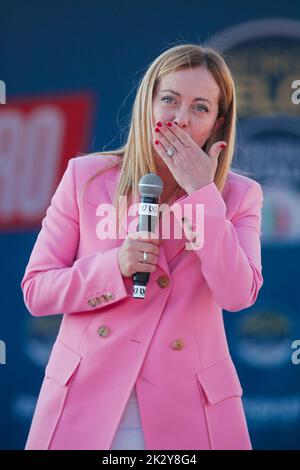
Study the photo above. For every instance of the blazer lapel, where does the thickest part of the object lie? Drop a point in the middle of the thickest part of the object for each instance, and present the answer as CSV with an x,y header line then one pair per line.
x,y
173,246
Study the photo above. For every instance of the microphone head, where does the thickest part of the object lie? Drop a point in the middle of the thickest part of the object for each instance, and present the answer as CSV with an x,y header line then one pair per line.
x,y
150,185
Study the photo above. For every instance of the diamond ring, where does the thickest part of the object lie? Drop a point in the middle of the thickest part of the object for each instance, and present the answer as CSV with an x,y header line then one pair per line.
x,y
145,256
170,151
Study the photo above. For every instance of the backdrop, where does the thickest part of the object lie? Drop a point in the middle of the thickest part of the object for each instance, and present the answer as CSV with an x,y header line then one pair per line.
x,y
68,76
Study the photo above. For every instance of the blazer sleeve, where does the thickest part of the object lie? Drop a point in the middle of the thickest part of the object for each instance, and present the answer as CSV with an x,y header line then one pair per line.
x,y
53,283
230,253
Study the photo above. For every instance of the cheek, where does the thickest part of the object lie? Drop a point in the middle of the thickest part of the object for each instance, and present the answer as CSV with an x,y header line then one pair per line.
x,y
205,126
156,107
159,113
156,115
202,132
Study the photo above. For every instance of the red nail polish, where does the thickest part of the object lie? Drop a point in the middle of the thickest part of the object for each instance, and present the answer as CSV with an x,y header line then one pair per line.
x,y
157,142
156,129
223,146
169,123
159,124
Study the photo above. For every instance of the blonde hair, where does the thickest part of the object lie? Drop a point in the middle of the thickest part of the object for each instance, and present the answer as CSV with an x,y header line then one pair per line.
x,y
136,157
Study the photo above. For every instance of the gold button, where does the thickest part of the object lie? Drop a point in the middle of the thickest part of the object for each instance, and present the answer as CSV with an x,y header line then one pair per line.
x,y
103,331
108,296
177,344
163,281
92,302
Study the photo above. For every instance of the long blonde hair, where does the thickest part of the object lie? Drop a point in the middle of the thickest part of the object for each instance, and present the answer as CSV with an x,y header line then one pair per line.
x,y
136,157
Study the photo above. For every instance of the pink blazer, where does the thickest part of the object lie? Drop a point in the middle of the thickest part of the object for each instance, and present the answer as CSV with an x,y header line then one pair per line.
x,y
172,344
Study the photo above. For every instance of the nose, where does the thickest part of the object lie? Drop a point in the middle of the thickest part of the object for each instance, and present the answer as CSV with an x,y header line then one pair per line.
x,y
181,121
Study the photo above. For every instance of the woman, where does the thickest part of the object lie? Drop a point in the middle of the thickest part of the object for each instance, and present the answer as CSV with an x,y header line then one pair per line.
x,y
160,365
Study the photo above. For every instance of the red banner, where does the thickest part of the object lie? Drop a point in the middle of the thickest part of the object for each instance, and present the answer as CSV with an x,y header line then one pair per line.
x,y
37,138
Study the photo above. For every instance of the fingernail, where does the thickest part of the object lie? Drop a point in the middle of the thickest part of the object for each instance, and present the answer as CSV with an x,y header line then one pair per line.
x,y
169,123
157,142
223,146
156,129
159,124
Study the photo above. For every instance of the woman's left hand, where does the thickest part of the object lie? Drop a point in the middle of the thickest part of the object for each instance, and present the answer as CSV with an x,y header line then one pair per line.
x,y
190,166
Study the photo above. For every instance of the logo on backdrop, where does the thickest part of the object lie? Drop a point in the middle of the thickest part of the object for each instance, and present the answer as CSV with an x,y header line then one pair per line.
x,y
262,55
265,337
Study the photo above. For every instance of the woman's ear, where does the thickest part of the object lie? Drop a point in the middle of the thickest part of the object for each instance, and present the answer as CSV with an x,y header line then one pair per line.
x,y
219,122
212,138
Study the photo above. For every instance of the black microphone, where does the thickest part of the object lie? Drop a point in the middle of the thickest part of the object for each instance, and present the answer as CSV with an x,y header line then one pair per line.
x,y
150,188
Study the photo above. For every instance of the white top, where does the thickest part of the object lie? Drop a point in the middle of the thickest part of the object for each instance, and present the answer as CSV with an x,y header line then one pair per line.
x,y
129,434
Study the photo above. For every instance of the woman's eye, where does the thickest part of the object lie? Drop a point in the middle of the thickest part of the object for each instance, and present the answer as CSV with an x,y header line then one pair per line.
x,y
204,108
166,98
201,107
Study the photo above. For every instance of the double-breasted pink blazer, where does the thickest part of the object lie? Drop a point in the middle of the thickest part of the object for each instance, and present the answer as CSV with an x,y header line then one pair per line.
x,y
172,344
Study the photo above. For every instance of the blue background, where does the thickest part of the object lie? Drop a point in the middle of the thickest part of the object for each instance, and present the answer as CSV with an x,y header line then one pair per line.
x,y
104,48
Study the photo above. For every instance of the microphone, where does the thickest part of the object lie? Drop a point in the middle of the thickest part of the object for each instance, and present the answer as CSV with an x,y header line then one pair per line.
x,y
150,188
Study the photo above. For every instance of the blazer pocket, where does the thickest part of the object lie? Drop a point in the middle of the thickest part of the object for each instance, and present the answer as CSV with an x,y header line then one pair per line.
x,y
62,364
61,368
219,381
221,392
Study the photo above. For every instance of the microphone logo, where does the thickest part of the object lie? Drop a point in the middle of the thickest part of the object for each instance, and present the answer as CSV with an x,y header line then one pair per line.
x,y
148,209
139,292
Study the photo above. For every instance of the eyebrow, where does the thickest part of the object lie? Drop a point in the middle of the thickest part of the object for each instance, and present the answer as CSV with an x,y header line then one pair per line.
x,y
178,94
